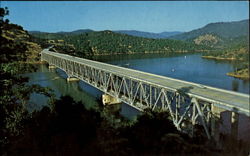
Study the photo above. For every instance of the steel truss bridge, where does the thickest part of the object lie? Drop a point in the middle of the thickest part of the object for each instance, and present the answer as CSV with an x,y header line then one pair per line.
x,y
186,102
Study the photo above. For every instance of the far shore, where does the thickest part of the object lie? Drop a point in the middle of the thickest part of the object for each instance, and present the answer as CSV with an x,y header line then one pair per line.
x,y
220,58
232,74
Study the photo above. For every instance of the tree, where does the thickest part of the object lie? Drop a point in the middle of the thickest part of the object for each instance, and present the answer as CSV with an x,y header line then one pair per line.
x,y
15,92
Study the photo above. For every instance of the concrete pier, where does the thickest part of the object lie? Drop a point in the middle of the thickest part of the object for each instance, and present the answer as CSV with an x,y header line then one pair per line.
x,y
72,79
215,121
109,100
234,124
52,66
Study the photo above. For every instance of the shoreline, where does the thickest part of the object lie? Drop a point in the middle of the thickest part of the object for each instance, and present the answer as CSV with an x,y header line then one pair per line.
x,y
232,74
147,52
220,58
235,75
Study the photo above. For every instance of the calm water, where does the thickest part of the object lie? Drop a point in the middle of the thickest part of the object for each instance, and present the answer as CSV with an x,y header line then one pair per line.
x,y
79,91
185,67
189,67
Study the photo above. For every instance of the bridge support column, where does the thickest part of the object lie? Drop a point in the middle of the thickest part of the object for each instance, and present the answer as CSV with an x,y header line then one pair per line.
x,y
109,100
52,66
71,79
215,122
234,124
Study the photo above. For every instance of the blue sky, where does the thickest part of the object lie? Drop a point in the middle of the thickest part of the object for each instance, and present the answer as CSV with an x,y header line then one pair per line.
x,y
159,16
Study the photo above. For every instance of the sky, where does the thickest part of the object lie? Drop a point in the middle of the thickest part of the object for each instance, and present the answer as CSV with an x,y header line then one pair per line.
x,y
150,16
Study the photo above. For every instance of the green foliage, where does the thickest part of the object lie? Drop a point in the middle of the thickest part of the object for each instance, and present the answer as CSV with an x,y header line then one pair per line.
x,y
42,42
3,12
239,50
71,129
14,91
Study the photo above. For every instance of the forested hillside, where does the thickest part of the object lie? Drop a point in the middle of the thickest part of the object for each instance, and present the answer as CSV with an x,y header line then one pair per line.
x,y
108,42
128,32
76,32
219,35
16,43
238,52
222,29
223,40
149,34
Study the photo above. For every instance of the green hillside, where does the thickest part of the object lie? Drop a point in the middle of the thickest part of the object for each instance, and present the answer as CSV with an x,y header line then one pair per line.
x,y
108,42
17,44
237,51
225,30
220,35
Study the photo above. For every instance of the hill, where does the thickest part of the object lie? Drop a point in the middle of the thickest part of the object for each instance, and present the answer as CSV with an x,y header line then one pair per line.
x,y
128,32
227,30
227,40
108,42
75,32
237,51
17,44
148,34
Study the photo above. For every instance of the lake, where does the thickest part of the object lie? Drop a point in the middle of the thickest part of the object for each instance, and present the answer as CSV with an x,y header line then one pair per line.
x,y
186,67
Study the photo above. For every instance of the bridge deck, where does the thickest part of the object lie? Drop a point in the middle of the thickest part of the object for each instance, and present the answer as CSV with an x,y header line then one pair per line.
x,y
228,100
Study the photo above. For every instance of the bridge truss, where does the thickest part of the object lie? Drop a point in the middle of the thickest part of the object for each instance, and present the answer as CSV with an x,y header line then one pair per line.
x,y
184,109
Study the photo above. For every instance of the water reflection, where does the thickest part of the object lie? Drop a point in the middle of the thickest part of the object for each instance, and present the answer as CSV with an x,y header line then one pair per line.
x,y
55,79
235,85
79,91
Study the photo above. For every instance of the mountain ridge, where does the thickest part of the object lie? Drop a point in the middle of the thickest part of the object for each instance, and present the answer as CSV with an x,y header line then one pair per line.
x,y
222,29
162,35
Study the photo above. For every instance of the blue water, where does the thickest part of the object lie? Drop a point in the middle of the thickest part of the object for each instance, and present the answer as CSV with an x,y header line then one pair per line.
x,y
191,68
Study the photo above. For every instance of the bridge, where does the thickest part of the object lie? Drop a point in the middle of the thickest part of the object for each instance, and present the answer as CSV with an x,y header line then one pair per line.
x,y
187,103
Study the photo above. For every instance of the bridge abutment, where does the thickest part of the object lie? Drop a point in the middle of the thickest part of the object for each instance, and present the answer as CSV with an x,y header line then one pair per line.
x,y
109,100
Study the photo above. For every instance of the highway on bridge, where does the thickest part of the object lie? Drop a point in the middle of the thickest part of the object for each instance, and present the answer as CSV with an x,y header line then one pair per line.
x,y
225,99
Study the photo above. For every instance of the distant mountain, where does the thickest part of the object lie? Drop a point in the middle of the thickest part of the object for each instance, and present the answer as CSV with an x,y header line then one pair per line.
x,y
35,32
169,34
226,30
108,42
127,32
148,34
76,32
